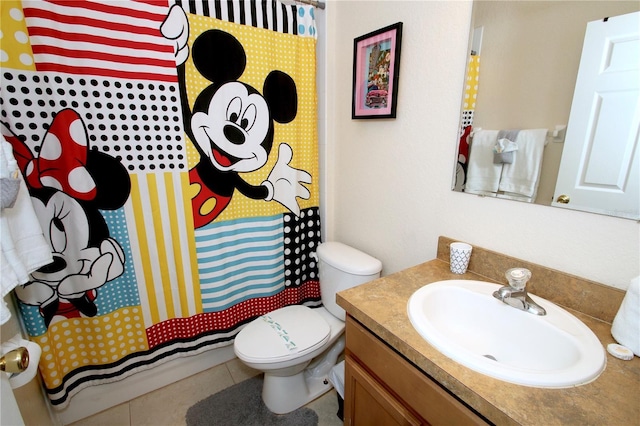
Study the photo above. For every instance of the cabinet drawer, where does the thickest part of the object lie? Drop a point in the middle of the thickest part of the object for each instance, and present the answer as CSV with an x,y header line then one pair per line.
x,y
414,388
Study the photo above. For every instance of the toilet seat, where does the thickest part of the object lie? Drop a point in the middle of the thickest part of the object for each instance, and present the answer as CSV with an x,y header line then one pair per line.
x,y
286,333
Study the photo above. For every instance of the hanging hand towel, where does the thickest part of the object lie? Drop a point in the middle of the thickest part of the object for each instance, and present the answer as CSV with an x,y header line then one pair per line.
x,y
483,176
521,178
503,151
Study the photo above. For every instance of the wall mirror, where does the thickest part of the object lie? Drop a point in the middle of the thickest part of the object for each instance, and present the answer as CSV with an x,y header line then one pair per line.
x,y
523,64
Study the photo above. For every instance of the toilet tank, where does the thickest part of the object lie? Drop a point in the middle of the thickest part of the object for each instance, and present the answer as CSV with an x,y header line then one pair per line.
x,y
341,267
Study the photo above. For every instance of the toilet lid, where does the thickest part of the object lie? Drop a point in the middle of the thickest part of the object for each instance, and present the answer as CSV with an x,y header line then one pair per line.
x,y
284,333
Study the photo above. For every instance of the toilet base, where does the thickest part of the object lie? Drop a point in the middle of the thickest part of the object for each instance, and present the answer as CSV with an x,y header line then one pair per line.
x,y
282,395
300,390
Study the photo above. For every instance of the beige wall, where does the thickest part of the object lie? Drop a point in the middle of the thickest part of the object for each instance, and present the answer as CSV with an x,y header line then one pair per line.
x,y
528,65
388,181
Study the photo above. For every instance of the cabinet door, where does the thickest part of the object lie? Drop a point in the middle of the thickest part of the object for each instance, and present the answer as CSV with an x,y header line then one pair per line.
x,y
368,403
395,386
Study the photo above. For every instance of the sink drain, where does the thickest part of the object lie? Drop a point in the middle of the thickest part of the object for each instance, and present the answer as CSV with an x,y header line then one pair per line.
x,y
490,357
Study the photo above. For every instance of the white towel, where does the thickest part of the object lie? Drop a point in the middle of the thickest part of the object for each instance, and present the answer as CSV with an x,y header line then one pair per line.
x,y
626,324
483,176
5,313
23,246
520,179
516,197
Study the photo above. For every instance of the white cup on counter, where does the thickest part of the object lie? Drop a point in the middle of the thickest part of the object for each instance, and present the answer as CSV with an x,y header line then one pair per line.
x,y
460,253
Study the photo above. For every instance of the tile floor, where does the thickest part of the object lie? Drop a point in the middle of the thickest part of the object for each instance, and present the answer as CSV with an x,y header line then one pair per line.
x,y
168,406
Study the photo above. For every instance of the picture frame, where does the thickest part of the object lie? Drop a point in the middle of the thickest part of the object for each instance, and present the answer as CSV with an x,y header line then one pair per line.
x,y
376,71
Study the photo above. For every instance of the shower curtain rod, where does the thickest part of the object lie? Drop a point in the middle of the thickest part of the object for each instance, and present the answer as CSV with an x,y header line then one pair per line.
x,y
315,3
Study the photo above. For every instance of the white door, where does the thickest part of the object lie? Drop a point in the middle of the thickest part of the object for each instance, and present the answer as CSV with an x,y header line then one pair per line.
x,y
600,170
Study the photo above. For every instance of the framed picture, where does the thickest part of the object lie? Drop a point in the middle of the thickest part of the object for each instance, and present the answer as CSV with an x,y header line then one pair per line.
x,y
376,67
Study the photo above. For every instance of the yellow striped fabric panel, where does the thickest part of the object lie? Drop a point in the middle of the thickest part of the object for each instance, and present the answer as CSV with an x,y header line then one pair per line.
x,y
164,248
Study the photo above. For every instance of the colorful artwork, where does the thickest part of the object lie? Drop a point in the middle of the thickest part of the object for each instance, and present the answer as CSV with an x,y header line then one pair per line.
x,y
378,75
376,71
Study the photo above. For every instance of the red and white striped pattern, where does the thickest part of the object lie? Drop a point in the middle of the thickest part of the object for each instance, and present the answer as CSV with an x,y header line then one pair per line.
x,y
106,38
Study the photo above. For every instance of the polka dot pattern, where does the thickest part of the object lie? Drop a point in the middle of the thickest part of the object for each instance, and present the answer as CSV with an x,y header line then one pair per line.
x,y
139,123
471,84
122,291
470,92
307,21
15,50
80,342
301,238
32,319
467,120
192,327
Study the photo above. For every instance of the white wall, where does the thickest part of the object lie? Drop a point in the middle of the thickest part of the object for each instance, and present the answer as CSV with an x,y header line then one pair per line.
x,y
388,181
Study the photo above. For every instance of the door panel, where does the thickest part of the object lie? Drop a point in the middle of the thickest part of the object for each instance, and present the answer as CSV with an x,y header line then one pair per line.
x,y
600,171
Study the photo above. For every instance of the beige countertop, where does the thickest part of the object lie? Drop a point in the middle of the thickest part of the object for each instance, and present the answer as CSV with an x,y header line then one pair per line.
x,y
612,399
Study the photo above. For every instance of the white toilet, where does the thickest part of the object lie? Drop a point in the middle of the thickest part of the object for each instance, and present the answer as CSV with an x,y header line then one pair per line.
x,y
296,346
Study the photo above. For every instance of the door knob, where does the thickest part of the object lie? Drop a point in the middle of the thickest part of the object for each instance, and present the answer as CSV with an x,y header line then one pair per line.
x,y
15,361
563,199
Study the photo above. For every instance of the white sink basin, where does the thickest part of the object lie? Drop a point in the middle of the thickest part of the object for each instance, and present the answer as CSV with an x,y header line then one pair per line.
x,y
465,322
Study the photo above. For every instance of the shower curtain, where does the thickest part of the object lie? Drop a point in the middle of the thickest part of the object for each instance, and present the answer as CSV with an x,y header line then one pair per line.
x,y
170,151
472,79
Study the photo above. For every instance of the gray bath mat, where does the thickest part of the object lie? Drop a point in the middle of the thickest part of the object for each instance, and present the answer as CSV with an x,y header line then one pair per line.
x,y
241,405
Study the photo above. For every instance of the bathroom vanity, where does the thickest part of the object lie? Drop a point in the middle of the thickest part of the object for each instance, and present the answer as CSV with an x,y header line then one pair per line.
x,y
393,376
384,388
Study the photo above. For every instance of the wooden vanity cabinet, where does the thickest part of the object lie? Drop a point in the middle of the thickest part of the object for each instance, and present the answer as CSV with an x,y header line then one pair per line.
x,y
383,388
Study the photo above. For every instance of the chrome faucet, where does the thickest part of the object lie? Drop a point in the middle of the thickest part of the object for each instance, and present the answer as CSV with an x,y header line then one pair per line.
x,y
515,294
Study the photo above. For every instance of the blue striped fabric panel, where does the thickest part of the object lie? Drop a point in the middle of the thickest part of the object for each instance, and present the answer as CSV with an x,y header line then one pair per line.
x,y
240,260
